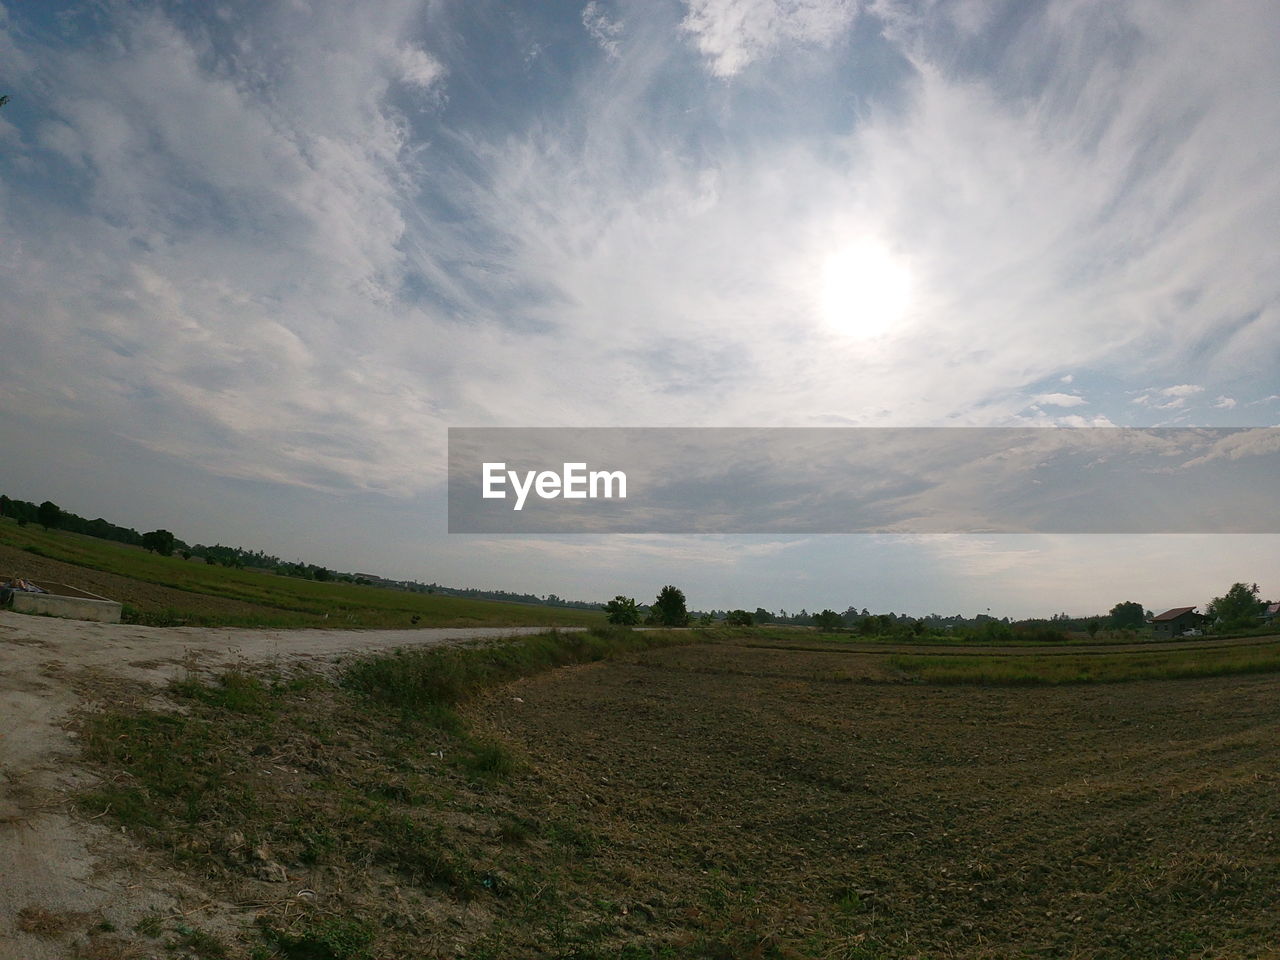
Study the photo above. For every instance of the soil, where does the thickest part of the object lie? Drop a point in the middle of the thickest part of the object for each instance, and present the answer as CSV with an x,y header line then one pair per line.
x,y
726,800
832,817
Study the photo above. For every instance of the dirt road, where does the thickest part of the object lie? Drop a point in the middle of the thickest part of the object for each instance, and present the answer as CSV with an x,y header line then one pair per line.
x,y
52,860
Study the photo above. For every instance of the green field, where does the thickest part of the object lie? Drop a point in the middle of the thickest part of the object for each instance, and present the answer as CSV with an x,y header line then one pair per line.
x,y
169,590
1090,668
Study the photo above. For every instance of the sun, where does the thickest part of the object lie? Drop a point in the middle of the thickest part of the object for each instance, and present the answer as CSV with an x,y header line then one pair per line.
x,y
865,291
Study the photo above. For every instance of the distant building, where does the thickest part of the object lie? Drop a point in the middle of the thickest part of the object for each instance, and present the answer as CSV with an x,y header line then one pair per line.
x,y
1175,622
1271,614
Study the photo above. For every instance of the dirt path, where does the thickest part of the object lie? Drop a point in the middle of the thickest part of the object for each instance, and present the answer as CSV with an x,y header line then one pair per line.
x,y
53,860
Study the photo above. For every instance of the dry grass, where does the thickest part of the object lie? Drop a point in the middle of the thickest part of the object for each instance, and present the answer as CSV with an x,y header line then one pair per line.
x,y
45,923
109,947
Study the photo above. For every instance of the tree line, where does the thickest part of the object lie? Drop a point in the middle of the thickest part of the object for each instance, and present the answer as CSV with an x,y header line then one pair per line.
x,y
1238,609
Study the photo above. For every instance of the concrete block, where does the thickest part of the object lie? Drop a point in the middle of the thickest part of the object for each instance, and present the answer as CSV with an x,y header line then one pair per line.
x,y
63,600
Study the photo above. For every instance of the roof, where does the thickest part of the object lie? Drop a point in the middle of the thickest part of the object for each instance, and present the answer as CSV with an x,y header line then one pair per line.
x,y
1173,614
1272,609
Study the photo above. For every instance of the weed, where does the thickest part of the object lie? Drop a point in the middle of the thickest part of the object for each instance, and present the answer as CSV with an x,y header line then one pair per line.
x,y
424,680
201,943
489,760
332,938
235,690
150,926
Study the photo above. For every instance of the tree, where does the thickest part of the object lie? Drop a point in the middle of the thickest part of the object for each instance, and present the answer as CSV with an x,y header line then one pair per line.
x,y
622,611
1094,626
49,514
1128,615
828,621
739,618
159,541
1238,608
323,575
669,609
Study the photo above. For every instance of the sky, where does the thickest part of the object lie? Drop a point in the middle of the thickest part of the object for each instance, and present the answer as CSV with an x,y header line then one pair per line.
x,y
257,258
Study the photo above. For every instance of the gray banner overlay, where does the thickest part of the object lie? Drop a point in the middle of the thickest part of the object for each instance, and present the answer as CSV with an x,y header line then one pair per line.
x,y
864,480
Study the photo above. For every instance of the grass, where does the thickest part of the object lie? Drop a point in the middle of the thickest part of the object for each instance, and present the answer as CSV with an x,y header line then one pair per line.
x,y
1089,668
276,601
769,632
252,777
703,800
441,677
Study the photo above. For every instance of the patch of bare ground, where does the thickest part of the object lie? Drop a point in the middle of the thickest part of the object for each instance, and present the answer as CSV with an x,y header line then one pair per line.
x,y
736,804
64,856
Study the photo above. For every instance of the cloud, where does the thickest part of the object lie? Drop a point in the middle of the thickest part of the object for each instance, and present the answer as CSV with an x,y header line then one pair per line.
x,y
1075,421
1258,442
419,69
250,251
227,254
1225,403
1060,400
1175,398
622,550
605,31
732,34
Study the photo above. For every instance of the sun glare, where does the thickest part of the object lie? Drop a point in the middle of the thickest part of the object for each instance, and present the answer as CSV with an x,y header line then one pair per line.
x,y
865,291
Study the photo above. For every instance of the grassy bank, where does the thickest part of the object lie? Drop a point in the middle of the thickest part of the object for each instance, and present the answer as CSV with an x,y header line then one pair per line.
x,y
167,591
366,788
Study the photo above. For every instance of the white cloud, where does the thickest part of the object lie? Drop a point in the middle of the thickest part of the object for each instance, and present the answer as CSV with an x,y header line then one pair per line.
x,y
603,29
249,237
1060,400
732,34
1076,420
418,68
1174,398
1225,403
221,287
